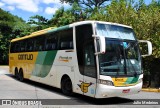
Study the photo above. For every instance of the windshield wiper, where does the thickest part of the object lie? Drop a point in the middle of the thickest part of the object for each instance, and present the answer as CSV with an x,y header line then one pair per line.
x,y
135,73
130,48
124,54
119,59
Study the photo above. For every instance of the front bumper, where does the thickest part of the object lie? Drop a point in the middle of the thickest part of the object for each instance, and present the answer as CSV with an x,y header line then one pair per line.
x,y
104,91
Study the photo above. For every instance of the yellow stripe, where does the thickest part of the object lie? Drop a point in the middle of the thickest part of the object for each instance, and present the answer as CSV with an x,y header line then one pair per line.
x,y
34,34
64,60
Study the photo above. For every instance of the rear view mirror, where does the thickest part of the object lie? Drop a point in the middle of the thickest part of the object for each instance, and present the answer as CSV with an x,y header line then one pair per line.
x,y
146,47
101,45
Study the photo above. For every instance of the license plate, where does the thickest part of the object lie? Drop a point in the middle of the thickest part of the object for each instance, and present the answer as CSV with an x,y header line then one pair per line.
x,y
126,91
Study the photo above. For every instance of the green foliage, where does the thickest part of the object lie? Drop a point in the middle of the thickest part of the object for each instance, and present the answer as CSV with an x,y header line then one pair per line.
x,y
10,27
65,17
38,22
87,4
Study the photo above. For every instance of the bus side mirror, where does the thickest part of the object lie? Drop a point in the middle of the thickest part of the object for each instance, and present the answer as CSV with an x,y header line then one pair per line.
x,y
149,47
101,44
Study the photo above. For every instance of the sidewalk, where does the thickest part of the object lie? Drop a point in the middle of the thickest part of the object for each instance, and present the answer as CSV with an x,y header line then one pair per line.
x,y
151,89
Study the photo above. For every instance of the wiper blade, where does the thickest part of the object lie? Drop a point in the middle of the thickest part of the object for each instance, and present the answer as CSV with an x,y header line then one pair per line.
x,y
135,73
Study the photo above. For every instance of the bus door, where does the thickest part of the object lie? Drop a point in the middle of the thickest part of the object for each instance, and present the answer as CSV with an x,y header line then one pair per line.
x,y
86,77
89,77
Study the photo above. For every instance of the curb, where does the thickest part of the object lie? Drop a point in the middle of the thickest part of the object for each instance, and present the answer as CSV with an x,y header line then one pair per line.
x,y
150,90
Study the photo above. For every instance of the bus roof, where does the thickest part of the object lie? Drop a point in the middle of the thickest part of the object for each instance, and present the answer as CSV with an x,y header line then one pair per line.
x,y
40,32
102,22
54,29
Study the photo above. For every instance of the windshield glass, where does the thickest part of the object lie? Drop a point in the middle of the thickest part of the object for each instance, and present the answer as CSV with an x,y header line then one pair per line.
x,y
114,31
122,55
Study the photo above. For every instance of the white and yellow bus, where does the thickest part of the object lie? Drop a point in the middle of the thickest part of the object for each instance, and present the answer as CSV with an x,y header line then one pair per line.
x,y
92,58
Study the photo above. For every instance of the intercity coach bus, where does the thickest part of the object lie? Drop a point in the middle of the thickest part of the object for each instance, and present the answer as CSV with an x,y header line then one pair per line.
x,y
92,58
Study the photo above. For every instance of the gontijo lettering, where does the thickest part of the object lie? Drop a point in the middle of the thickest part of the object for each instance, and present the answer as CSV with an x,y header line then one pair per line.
x,y
25,56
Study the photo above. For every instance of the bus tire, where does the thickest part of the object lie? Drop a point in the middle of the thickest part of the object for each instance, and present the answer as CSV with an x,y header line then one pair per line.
x,y
21,78
16,73
66,86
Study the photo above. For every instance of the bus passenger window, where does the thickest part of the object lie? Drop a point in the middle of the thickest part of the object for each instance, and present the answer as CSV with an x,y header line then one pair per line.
x,y
39,43
66,39
17,47
23,46
30,44
51,42
65,45
12,49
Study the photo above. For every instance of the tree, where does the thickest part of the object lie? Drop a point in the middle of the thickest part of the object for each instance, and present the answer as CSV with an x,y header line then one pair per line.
x,y
91,4
38,22
10,27
64,17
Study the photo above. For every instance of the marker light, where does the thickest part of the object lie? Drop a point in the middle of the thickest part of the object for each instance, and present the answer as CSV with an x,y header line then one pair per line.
x,y
140,80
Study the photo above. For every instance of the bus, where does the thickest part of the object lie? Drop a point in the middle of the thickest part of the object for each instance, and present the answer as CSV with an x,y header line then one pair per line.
x,y
93,58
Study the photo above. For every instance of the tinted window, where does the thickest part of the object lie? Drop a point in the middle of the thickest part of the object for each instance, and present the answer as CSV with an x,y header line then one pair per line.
x,y
60,40
51,41
12,48
39,43
30,44
66,39
23,46
89,60
85,50
17,47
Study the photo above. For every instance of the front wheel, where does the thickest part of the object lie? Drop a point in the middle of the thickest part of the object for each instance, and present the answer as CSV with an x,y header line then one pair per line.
x,y
66,86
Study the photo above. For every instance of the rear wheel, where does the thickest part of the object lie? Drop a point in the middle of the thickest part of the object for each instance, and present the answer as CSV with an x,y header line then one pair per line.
x,y
66,86
21,78
16,73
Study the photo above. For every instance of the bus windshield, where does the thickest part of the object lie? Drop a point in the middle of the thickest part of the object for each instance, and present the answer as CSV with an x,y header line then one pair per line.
x,y
122,56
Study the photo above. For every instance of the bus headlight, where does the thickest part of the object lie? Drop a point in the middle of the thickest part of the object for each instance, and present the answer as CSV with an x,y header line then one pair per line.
x,y
105,82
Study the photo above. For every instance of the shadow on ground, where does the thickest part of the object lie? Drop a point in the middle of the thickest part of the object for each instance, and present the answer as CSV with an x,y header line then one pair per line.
x,y
75,99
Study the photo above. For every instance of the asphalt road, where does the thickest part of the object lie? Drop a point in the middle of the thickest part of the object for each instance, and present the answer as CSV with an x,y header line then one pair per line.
x,y
32,94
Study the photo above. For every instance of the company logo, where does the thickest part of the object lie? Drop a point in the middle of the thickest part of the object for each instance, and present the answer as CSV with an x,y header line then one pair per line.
x,y
21,102
84,86
25,56
6,102
119,79
65,59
